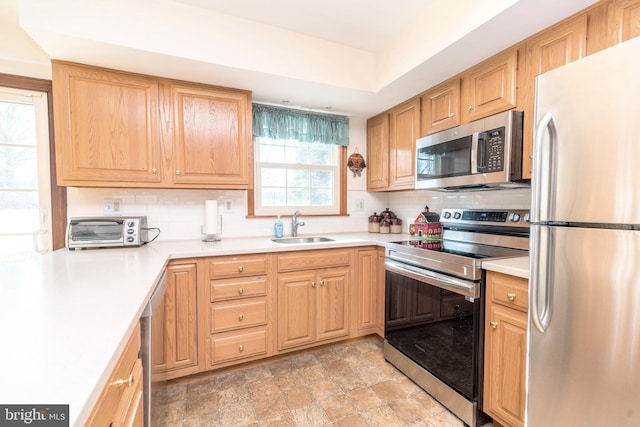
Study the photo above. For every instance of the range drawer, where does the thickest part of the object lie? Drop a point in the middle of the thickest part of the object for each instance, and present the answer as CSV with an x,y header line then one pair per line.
x,y
508,290
238,346
238,288
237,266
305,260
238,315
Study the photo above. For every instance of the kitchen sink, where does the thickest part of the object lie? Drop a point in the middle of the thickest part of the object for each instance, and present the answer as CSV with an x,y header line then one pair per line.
x,y
303,240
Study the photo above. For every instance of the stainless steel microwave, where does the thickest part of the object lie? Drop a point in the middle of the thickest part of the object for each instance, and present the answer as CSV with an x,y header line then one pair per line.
x,y
106,232
482,154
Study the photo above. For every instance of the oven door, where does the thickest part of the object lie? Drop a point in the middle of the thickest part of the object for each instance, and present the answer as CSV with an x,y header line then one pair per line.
x,y
434,320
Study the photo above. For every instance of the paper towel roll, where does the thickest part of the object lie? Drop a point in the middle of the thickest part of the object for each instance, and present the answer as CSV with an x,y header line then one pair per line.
x,y
210,217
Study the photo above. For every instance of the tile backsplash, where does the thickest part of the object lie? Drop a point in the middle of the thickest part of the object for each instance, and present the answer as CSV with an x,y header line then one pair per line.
x,y
180,213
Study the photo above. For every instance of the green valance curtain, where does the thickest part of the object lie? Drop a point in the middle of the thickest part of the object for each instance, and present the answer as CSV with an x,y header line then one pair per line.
x,y
282,123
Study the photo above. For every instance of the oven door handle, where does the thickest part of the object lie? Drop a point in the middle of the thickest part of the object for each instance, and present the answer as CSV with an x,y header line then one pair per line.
x,y
461,287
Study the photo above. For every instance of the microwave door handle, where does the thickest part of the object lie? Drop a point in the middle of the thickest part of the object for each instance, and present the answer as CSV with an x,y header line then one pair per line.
x,y
474,152
482,152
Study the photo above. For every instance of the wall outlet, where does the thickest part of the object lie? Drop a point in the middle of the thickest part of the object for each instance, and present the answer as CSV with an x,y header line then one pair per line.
x,y
227,205
112,207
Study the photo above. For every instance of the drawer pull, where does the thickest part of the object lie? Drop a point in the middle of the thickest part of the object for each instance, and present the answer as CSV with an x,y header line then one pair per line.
x,y
321,282
511,296
313,284
154,171
241,291
240,268
127,382
241,317
494,324
241,348
178,172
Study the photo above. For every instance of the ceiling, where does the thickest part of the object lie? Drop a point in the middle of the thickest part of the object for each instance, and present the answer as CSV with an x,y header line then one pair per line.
x,y
356,57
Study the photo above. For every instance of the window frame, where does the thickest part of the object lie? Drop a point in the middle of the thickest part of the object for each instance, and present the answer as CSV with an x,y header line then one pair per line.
x,y
58,193
341,197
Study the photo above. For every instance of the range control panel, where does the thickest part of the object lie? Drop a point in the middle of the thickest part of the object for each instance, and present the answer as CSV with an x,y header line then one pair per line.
x,y
503,218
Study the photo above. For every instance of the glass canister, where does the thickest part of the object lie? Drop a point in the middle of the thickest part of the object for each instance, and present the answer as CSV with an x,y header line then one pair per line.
x,y
374,223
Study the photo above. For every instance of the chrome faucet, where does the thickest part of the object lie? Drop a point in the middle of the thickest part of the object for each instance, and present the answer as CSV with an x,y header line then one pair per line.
x,y
295,223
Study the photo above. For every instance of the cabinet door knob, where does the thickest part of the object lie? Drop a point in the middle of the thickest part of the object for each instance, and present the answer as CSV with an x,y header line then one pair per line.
x,y
241,317
240,268
154,171
313,284
469,107
241,291
178,172
511,296
494,324
126,382
452,115
241,348
321,282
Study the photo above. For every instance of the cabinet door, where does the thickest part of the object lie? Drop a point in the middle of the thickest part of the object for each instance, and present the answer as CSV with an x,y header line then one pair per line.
x,y
624,20
490,87
440,107
378,153
550,49
404,129
505,364
366,295
333,303
106,126
296,309
177,354
212,136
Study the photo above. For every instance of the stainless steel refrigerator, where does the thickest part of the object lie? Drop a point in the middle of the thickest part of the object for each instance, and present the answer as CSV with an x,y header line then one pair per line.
x,y
583,356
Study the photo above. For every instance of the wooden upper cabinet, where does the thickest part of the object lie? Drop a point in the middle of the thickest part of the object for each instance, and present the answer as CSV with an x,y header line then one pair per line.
x,y
624,20
378,152
552,48
106,126
117,129
491,86
440,107
211,136
404,129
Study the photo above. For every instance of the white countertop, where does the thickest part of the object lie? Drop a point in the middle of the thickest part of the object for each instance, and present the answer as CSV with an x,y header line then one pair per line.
x,y
514,266
65,316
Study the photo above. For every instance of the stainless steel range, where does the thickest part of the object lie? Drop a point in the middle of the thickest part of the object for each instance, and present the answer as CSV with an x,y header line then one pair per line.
x,y
434,307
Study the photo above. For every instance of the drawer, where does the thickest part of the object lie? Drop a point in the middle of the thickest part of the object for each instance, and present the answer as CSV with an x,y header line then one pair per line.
x,y
239,315
106,409
235,266
238,288
238,346
508,290
304,260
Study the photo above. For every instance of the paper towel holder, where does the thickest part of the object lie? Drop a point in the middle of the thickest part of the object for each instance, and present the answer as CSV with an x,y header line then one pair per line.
x,y
210,237
212,227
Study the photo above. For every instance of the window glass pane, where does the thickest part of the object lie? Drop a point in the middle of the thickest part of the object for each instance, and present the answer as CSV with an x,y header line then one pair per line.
x,y
18,212
271,153
322,154
299,197
297,155
274,196
272,177
321,196
18,167
19,124
298,178
320,178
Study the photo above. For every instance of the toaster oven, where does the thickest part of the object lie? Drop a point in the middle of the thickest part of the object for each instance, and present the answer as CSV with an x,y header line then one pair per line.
x,y
106,232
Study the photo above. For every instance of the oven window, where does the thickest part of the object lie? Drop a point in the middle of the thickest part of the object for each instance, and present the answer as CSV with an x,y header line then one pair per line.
x,y
93,231
437,329
451,158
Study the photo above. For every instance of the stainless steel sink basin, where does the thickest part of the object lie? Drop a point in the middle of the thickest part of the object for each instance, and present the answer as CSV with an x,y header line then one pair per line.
x,y
303,240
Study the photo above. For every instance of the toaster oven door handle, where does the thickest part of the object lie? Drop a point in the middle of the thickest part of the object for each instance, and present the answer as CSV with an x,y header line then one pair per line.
x,y
95,221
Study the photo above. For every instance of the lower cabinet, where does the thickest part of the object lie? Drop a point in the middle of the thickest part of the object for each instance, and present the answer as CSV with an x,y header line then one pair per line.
x,y
369,292
176,355
121,401
313,297
505,348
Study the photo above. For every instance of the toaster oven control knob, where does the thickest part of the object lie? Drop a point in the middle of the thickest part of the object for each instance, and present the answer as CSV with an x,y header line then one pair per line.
x,y
130,231
131,224
130,239
457,215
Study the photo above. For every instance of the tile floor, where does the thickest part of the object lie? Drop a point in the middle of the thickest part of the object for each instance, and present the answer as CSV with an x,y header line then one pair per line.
x,y
347,384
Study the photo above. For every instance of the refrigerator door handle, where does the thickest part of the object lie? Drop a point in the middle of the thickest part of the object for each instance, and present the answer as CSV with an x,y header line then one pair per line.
x,y
541,273
540,198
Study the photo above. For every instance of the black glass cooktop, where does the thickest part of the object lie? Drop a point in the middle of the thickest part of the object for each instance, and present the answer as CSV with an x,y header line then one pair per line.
x,y
463,249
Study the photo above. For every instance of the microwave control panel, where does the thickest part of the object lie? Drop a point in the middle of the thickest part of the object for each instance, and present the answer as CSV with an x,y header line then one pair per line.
x,y
495,150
